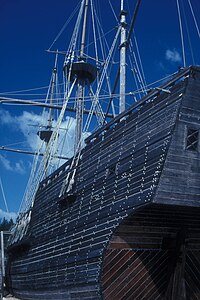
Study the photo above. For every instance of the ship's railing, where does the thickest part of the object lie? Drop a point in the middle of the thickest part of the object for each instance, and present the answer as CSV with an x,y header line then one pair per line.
x,y
57,173
67,167
181,75
21,227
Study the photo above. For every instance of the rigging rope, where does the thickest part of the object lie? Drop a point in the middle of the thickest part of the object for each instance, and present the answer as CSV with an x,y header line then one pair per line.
x,y
181,32
65,25
72,45
27,90
134,73
113,12
3,194
96,96
188,35
140,61
137,69
101,35
32,188
193,15
64,140
94,31
14,144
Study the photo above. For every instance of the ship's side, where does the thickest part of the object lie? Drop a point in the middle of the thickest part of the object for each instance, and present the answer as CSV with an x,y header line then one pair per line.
x,y
125,186
155,252
180,181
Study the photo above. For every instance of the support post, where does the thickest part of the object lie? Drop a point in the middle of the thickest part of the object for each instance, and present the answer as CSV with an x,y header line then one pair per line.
x,y
122,102
2,264
79,116
80,100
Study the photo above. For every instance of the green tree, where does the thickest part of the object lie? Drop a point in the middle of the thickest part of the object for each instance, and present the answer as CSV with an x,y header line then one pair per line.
x,y
6,225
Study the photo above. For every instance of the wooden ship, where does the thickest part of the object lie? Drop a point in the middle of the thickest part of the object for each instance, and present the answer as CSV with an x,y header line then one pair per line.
x,y
120,219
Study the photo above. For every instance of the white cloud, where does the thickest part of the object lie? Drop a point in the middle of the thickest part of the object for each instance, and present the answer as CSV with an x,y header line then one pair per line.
x,y
5,117
173,56
29,123
8,215
5,163
66,137
17,167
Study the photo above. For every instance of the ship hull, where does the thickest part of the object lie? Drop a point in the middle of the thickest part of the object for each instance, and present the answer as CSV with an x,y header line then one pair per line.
x,y
129,171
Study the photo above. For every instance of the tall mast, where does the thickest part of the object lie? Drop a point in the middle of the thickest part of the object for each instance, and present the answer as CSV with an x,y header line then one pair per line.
x,y
83,73
122,100
54,74
81,85
45,135
84,29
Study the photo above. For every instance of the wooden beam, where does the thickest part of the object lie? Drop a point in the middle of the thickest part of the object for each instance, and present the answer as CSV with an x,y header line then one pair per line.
x,y
30,152
53,106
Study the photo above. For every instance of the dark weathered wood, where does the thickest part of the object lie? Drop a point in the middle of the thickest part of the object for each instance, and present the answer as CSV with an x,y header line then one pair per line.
x,y
138,159
137,264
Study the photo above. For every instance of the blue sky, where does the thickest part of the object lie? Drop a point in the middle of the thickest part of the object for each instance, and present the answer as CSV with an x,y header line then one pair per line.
x,y
28,28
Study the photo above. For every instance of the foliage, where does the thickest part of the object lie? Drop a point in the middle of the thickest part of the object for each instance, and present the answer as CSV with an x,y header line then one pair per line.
x,y
6,225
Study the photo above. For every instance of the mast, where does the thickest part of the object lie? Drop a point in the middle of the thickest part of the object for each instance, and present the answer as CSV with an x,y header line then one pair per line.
x,y
84,29
54,74
45,135
122,100
81,85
